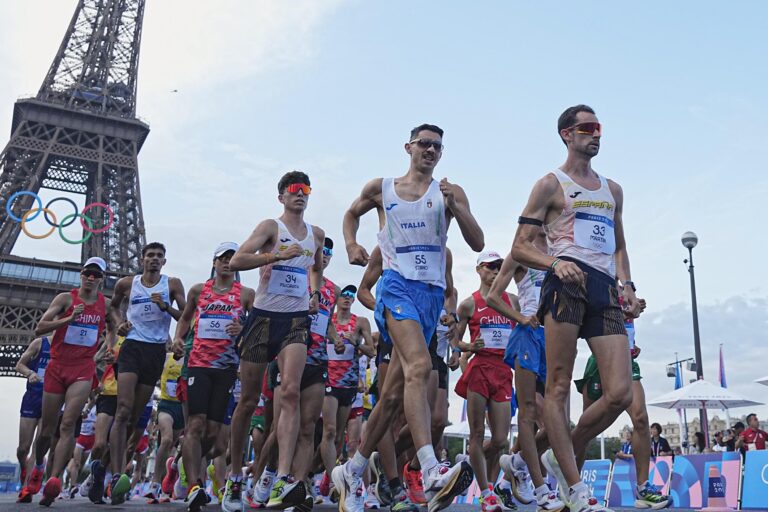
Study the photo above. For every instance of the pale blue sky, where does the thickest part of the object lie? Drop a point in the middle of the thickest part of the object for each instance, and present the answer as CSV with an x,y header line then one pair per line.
x,y
333,87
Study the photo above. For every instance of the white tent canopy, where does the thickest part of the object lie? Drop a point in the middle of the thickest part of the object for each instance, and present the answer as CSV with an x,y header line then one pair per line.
x,y
763,380
702,394
462,430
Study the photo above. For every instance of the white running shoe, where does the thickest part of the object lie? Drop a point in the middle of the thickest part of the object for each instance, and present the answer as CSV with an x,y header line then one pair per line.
x,y
549,502
442,484
351,489
232,499
85,487
550,463
581,500
371,502
264,486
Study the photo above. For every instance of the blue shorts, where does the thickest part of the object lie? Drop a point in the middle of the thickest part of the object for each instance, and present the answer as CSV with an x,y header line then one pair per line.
x,y
408,300
230,410
32,404
144,419
526,346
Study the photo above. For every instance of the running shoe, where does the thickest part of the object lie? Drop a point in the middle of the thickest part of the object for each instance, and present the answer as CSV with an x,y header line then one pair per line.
x,y
325,484
522,486
444,483
504,495
549,502
153,493
51,491
35,480
371,503
381,488
413,484
263,488
96,492
286,493
350,490
118,489
181,486
581,500
401,503
85,487
197,498
216,488
650,497
550,463
171,474
490,503
232,501
72,492
307,505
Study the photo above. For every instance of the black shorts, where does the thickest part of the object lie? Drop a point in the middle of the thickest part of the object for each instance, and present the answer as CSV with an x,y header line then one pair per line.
x,y
106,404
345,396
266,333
594,307
144,359
313,374
442,372
209,390
383,353
273,375
174,410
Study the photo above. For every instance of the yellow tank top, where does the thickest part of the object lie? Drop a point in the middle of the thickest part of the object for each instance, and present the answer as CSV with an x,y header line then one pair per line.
x,y
171,373
109,379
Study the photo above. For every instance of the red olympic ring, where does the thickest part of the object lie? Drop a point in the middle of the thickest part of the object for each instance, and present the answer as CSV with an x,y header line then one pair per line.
x,y
106,226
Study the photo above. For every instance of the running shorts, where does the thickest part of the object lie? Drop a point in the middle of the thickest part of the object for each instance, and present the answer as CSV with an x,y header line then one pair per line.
x,y
526,346
355,412
209,391
231,406
591,379
383,353
257,422
144,359
345,396
173,409
86,442
59,376
266,333
106,404
142,446
407,299
32,404
181,389
488,376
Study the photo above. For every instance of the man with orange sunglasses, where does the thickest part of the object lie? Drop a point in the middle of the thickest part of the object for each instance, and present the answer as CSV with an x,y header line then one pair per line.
x,y
289,253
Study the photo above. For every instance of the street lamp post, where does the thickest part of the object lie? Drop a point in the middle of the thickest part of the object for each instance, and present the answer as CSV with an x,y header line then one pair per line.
x,y
689,240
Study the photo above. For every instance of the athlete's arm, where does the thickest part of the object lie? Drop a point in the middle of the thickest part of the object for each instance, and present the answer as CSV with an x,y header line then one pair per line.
x,y
523,248
185,320
247,296
448,273
364,330
457,202
495,297
369,280
122,290
316,270
370,198
248,256
21,366
331,333
465,312
176,291
631,303
59,305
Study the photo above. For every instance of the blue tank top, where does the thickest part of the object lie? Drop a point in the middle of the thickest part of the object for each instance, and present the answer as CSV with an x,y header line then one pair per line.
x,y
39,364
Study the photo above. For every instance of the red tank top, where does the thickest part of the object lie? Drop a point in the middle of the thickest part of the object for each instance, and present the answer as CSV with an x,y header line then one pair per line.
x,y
212,346
343,369
78,341
491,325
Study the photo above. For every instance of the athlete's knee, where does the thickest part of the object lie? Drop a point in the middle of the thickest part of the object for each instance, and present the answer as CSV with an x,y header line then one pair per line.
x,y
289,396
165,444
329,433
497,443
619,397
67,427
417,372
123,413
558,389
195,426
21,452
640,422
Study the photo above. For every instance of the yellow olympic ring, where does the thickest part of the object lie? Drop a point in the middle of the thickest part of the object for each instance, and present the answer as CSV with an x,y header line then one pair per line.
x,y
38,210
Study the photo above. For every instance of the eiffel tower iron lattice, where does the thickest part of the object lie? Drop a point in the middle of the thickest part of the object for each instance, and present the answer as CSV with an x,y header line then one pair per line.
x,y
80,135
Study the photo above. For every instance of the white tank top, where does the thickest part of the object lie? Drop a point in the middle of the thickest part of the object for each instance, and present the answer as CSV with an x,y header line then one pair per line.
x,y
584,230
149,324
413,238
529,291
284,285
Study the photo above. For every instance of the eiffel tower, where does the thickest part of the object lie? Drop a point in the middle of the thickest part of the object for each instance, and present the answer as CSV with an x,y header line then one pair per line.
x,y
80,135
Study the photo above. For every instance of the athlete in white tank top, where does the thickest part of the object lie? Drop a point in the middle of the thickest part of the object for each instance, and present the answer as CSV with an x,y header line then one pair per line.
x,y
148,322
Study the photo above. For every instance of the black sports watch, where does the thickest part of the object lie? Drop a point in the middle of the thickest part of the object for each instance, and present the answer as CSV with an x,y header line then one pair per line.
x,y
631,284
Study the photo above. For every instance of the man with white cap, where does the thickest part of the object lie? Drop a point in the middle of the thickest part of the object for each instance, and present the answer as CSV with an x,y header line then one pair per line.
x,y
140,362
487,381
78,319
217,307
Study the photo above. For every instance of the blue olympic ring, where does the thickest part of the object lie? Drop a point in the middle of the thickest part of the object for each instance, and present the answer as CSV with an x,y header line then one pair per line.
x,y
9,204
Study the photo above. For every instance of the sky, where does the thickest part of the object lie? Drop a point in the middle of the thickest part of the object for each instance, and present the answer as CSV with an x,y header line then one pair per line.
x,y
334,87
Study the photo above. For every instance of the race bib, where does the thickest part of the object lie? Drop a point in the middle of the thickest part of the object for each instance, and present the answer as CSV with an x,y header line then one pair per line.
x,y
347,355
320,323
285,280
213,327
630,327
170,388
84,335
442,340
145,310
495,335
594,232
41,373
420,262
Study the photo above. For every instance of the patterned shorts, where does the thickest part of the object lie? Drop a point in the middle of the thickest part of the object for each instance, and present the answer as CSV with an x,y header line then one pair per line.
x,y
267,333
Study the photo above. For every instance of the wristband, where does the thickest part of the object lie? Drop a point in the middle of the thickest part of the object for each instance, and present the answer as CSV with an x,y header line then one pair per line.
x,y
456,350
455,317
529,220
554,264
313,293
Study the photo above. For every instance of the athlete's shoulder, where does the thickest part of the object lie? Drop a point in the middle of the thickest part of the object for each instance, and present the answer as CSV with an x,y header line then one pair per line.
x,y
547,183
467,306
615,188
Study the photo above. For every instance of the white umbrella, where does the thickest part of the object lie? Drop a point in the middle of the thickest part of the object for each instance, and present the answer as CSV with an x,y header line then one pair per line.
x,y
702,394
763,380
462,430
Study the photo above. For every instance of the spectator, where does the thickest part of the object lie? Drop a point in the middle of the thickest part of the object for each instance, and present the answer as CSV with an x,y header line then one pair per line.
x,y
699,443
718,443
659,445
732,434
752,438
626,447
678,450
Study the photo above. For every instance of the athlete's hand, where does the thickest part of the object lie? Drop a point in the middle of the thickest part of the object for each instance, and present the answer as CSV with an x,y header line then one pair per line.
x,y
453,362
569,272
477,345
635,352
33,378
124,328
289,252
531,321
178,347
157,298
234,328
108,357
643,305
631,303
338,346
448,190
314,304
357,255
76,312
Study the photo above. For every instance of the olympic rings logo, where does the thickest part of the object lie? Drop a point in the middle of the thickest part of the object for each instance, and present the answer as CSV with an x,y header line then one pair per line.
x,y
68,220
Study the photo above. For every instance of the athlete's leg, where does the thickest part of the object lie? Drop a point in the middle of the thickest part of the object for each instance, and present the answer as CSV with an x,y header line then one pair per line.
x,y
100,433
191,448
386,444
167,438
132,397
383,415
499,414
561,337
311,405
328,442
641,434
439,416
614,365
250,391
476,405
354,429
291,362
74,401
586,401
48,423
342,415
27,428
525,385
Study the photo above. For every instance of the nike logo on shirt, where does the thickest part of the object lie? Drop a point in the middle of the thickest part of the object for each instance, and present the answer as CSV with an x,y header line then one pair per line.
x,y
482,309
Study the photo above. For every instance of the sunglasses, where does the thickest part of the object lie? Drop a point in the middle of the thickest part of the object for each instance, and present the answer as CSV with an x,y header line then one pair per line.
x,y
92,273
587,128
349,295
294,188
327,251
426,143
492,265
